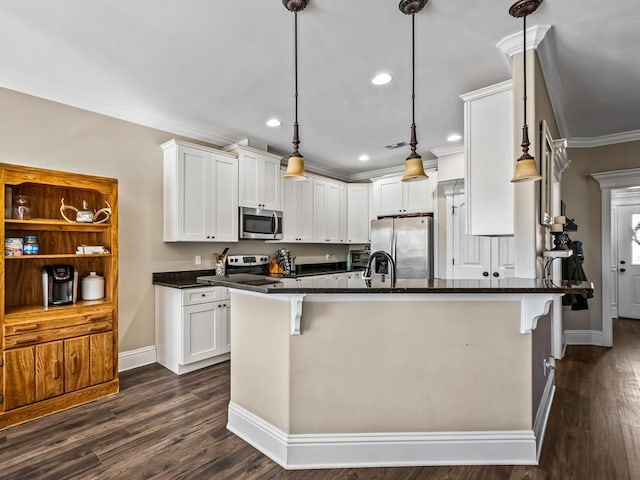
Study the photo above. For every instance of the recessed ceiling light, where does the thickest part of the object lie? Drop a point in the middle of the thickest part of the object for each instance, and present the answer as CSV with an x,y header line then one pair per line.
x,y
364,157
454,137
274,122
381,79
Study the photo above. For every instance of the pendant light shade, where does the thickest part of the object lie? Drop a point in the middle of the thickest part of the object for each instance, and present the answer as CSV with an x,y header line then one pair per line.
x,y
295,164
526,168
413,168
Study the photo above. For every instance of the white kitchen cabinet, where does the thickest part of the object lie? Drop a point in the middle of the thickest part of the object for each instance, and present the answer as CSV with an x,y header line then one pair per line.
x,y
297,215
391,196
343,206
259,177
200,194
489,159
326,211
358,222
474,256
192,327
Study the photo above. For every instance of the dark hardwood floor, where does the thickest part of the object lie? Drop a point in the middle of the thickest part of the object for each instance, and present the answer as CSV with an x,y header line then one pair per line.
x,y
169,427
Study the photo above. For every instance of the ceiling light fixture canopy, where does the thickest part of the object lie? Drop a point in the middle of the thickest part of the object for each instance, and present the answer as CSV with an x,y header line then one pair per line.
x,y
414,169
526,168
295,165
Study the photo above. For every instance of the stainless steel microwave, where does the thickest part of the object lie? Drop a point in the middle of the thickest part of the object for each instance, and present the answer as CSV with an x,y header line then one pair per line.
x,y
260,223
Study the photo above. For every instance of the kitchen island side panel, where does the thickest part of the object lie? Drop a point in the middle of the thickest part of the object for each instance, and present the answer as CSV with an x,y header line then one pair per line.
x,y
363,367
260,357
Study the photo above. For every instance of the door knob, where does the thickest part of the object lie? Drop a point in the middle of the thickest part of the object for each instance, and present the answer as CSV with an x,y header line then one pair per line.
x,y
485,274
622,270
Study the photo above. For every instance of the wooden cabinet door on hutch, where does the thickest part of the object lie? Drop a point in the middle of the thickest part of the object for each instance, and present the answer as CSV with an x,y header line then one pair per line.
x,y
57,356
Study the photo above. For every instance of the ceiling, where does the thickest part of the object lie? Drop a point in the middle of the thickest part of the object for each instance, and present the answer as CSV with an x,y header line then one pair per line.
x,y
216,70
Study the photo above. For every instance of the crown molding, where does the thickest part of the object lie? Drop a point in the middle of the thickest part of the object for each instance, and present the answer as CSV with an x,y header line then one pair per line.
x,y
486,91
585,142
40,89
447,150
512,44
617,178
390,171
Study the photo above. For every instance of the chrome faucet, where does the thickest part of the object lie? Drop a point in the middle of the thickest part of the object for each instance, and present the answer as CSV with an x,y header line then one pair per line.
x,y
392,266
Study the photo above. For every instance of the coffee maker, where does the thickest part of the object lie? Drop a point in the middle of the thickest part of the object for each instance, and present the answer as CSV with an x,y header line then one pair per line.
x,y
59,285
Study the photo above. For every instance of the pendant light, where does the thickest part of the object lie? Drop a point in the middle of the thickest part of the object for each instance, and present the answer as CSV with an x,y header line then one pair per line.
x,y
413,169
526,169
295,165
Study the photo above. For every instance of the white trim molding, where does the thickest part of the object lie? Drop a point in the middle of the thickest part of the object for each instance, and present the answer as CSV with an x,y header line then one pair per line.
x,y
136,358
585,337
349,450
390,171
544,409
608,181
486,91
624,137
512,44
447,150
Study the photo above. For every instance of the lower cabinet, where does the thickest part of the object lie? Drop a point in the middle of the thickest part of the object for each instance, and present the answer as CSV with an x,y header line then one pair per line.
x,y
192,327
46,370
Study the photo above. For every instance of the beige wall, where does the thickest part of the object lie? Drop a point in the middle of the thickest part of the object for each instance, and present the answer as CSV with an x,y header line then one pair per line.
x,y
46,134
397,366
581,195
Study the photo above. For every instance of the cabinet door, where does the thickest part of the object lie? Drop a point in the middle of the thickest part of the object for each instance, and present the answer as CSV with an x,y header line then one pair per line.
x,y
248,174
49,370
193,195
332,212
344,229
502,257
305,210
19,377
224,327
388,197
101,358
358,224
200,333
471,254
269,187
290,227
76,363
320,193
223,199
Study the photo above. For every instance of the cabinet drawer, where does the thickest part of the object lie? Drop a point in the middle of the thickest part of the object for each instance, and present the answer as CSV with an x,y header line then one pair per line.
x,y
194,296
36,326
48,335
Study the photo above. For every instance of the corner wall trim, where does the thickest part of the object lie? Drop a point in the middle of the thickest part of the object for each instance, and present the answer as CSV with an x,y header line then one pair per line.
x,y
544,409
346,450
584,337
136,358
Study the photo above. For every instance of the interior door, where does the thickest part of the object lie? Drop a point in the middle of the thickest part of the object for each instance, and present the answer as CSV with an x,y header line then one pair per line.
x,y
629,261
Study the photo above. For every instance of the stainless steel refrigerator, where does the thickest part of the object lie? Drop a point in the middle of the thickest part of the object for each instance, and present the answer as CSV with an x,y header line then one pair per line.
x,y
409,241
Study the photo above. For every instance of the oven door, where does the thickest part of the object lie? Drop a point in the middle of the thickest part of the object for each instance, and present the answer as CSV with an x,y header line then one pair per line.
x,y
260,224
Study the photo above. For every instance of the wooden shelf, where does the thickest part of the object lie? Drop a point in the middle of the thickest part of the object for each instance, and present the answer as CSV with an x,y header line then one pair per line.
x,y
80,306
57,255
53,225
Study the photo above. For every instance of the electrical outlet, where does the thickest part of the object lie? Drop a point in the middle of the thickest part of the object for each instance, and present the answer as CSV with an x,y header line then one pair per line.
x,y
198,260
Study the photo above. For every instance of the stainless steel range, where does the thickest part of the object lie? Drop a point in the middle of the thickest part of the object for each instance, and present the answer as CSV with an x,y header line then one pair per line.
x,y
245,269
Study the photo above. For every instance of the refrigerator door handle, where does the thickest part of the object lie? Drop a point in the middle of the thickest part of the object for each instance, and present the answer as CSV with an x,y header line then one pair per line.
x,y
393,246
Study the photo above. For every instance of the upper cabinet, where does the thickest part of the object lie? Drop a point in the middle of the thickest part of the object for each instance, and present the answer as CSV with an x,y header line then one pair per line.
x,y
200,194
358,223
326,208
297,215
489,159
391,196
259,177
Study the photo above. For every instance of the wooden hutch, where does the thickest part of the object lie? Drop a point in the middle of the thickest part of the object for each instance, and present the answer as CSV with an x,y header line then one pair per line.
x,y
56,357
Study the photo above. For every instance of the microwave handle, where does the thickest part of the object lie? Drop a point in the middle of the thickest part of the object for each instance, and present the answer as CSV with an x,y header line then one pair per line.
x,y
275,225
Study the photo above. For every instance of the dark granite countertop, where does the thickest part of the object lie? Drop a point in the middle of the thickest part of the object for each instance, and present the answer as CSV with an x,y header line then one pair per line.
x,y
358,285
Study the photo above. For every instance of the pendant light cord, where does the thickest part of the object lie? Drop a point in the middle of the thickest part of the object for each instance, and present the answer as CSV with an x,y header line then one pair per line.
x,y
414,141
296,138
524,56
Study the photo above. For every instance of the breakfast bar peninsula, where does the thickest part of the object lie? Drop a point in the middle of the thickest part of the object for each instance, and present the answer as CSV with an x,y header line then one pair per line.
x,y
345,372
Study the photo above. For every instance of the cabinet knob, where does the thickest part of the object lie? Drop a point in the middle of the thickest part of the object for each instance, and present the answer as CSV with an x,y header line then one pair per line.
x,y
496,274
622,262
204,294
622,270
485,274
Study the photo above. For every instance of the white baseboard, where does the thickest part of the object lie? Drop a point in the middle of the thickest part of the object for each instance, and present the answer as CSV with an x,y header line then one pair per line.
x,y
584,337
136,358
350,450
544,409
